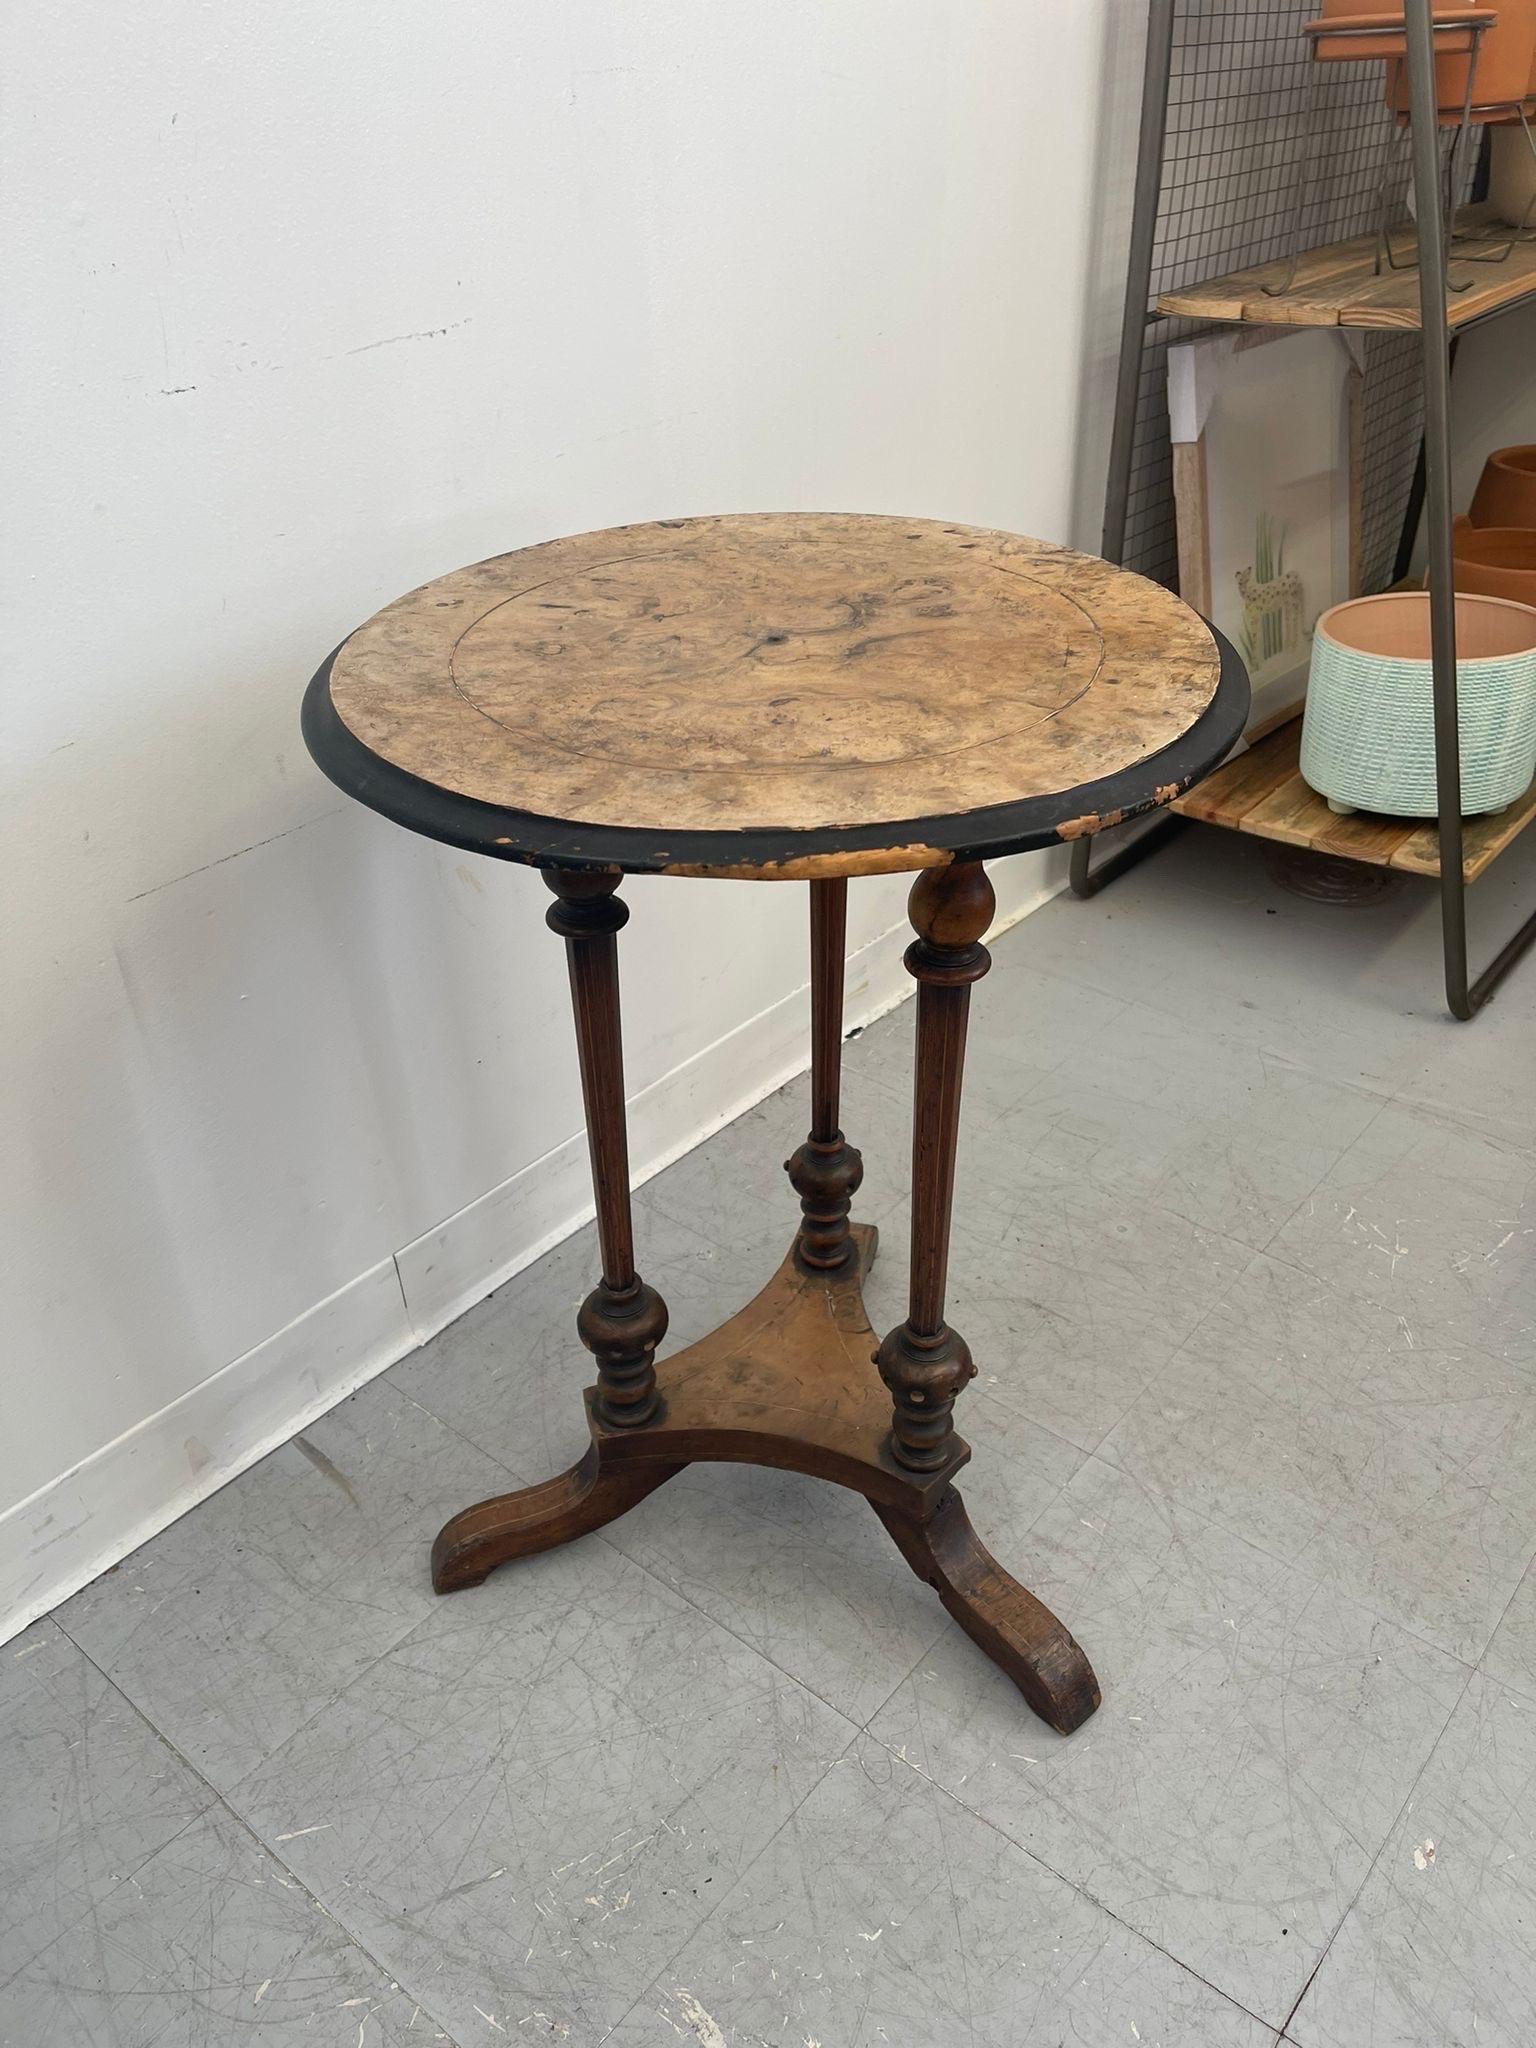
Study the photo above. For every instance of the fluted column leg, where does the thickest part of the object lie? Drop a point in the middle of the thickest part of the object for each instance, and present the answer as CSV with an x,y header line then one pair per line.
x,y
826,1171
622,1320
923,1361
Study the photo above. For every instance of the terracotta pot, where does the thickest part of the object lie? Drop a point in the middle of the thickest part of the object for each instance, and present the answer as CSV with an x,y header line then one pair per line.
x,y
1395,627
1368,730
1333,41
1502,116
1496,561
1506,490
1504,65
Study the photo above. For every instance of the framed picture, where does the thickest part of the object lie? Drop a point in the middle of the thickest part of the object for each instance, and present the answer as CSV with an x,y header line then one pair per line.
x,y
1263,425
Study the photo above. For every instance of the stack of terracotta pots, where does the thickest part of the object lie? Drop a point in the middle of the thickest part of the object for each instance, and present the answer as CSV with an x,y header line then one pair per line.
x,y
1485,75
1495,547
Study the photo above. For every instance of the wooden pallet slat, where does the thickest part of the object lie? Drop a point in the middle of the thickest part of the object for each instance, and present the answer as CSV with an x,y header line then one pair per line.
x,y
1226,796
1482,840
1289,814
1261,792
1365,836
1337,284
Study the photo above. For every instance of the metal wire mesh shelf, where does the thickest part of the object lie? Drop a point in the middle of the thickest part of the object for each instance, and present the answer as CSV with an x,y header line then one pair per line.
x,y
1237,83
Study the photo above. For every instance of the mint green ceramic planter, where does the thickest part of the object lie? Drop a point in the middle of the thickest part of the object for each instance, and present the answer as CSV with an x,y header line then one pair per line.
x,y
1368,732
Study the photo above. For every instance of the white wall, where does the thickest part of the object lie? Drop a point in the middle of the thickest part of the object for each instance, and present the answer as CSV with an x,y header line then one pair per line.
x,y
310,304
1493,405
1493,397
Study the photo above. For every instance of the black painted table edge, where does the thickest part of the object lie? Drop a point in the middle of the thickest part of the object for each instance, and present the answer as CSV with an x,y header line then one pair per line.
x,y
979,835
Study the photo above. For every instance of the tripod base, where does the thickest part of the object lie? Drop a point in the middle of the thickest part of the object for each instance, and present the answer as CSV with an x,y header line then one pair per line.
x,y
789,1382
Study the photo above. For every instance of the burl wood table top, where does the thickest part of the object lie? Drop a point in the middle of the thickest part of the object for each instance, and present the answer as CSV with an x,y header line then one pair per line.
x,y
776,695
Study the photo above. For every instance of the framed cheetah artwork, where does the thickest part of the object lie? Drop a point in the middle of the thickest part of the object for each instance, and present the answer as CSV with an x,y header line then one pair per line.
x,y
1261,426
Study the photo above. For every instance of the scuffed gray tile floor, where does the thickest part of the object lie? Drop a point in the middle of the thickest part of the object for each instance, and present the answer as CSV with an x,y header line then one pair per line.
x,y
1246,1250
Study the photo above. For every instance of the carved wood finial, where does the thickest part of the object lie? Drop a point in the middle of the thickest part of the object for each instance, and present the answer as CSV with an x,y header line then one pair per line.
x,y
826,1174
621,1327
950,908
586,903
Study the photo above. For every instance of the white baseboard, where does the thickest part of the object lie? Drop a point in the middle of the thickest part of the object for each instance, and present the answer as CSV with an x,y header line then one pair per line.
x,y
74,1528
94,1515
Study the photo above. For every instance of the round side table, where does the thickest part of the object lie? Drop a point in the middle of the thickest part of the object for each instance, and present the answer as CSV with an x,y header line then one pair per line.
x,y
781,698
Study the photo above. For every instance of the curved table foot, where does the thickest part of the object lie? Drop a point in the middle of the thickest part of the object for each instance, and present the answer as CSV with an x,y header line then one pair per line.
x,y
1018,1633
538,1518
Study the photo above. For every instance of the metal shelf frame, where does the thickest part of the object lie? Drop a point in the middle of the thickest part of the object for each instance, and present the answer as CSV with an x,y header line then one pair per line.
x,y
1464,995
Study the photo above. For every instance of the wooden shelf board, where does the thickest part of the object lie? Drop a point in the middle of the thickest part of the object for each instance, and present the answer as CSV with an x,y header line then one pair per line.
x,y
1336,285
1262,792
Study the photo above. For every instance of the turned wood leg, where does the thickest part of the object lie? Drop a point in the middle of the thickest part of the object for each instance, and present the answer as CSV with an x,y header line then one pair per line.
x,y
923,1361
826,1171
622,1320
